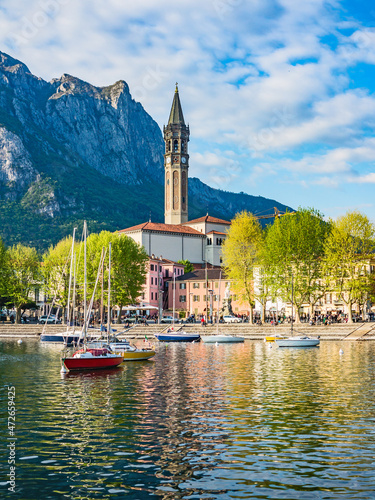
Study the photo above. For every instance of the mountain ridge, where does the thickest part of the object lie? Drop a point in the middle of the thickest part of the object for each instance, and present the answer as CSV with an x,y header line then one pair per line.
x,y
70,150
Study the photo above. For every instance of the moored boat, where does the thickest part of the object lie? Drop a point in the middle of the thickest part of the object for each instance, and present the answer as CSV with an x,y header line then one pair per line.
x,y
221,339
65,338
92,356
178,336
92,359
298,341
130,352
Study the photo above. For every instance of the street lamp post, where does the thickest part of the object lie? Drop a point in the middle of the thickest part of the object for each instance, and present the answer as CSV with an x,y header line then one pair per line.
x,y
211,297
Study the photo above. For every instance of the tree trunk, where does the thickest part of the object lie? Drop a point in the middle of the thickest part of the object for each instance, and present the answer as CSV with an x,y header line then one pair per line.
x,y
251,315
65,319
350,316
119,315
298,317
264,311
18,315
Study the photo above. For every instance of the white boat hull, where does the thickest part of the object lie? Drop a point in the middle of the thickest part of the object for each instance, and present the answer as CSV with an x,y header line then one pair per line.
x,y
221,339
297,342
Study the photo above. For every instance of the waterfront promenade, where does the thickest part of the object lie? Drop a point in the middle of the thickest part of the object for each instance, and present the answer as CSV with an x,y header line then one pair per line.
x,y
355,331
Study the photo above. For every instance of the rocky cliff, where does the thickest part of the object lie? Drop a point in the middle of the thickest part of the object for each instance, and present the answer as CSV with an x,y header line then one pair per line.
x,y
69,150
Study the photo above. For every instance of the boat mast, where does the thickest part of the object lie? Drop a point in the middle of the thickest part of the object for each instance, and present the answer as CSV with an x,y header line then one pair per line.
x,y
102,296
174,293
218,307
109,292
74,290
84,283
70,279
291,328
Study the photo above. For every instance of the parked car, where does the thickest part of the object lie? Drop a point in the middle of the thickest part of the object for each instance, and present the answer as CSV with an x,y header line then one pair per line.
x,y
231,319
168,319
49,320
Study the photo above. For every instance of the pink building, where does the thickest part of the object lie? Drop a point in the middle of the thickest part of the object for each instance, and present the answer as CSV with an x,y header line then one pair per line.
x,y
159,272
195,295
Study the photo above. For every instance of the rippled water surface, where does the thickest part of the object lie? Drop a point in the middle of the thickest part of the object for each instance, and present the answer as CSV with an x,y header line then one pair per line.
x,y
196,422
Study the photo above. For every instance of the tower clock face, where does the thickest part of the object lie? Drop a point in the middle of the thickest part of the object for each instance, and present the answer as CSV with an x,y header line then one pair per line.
x,y
168,159
183,159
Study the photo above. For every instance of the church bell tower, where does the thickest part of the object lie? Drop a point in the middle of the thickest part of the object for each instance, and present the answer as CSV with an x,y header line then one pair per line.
x,y
176,165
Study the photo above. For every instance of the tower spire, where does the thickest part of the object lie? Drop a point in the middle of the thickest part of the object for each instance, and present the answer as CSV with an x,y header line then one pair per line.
x,y
176,164
176,115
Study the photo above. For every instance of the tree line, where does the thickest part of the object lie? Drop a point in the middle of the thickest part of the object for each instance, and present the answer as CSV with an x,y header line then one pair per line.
x,y
22,269
303,249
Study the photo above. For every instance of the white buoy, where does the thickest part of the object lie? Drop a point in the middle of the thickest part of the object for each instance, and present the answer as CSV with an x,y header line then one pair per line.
x,y
264,340
341,351
216,343
19,341
63,369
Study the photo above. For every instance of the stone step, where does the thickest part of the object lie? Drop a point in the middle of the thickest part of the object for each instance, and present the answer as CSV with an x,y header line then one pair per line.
x,y
364,331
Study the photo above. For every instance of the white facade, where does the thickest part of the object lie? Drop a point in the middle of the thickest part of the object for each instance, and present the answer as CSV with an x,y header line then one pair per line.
x,y
169,241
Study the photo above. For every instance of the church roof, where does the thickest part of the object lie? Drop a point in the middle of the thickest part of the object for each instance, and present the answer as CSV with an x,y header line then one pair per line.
x,y
159,227
208,218
176,115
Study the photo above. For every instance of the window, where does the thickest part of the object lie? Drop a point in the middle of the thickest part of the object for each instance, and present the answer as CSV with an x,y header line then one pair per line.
x,y
167,273
175,146
159,268
182,298
156,296
156,281
204,298
152,295
152,280
216,284
195,298
195,285
182,286
152,267
216,298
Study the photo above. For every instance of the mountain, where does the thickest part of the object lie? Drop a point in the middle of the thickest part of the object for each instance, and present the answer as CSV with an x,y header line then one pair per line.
x,y
71,151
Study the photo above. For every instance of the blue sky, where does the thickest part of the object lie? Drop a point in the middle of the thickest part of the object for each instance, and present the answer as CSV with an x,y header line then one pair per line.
x,y
279,95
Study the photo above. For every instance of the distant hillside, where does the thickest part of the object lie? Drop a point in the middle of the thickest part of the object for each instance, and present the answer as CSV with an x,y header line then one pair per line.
x,y
71,151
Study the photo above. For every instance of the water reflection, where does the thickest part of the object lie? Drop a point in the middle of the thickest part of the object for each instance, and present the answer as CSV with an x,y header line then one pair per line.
x,y
198,421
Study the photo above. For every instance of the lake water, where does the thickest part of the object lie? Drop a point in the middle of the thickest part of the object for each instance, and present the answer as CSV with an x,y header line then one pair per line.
x,y
196,422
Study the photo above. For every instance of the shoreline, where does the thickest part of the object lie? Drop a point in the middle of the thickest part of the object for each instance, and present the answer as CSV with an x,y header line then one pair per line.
x,y
356,331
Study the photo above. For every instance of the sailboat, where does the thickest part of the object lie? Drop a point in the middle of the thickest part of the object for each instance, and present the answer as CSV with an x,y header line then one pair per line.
x,y
70,336
91,356
297,340
179,335
220,338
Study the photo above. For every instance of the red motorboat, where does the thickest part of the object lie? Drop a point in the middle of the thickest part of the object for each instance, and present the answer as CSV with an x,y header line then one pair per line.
x,y
92,359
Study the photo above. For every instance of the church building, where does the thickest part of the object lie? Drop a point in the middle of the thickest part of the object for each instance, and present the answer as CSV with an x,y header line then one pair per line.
x,y
198,240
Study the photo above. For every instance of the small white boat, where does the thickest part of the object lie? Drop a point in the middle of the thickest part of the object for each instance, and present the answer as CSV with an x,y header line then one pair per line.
x,y
298,341
221,339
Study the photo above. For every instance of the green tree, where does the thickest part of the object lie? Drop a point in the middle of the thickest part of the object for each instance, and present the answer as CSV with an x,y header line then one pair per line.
x,y
22,271
2,268
56,272
128,267
348,250
240,255
294,249
188,265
